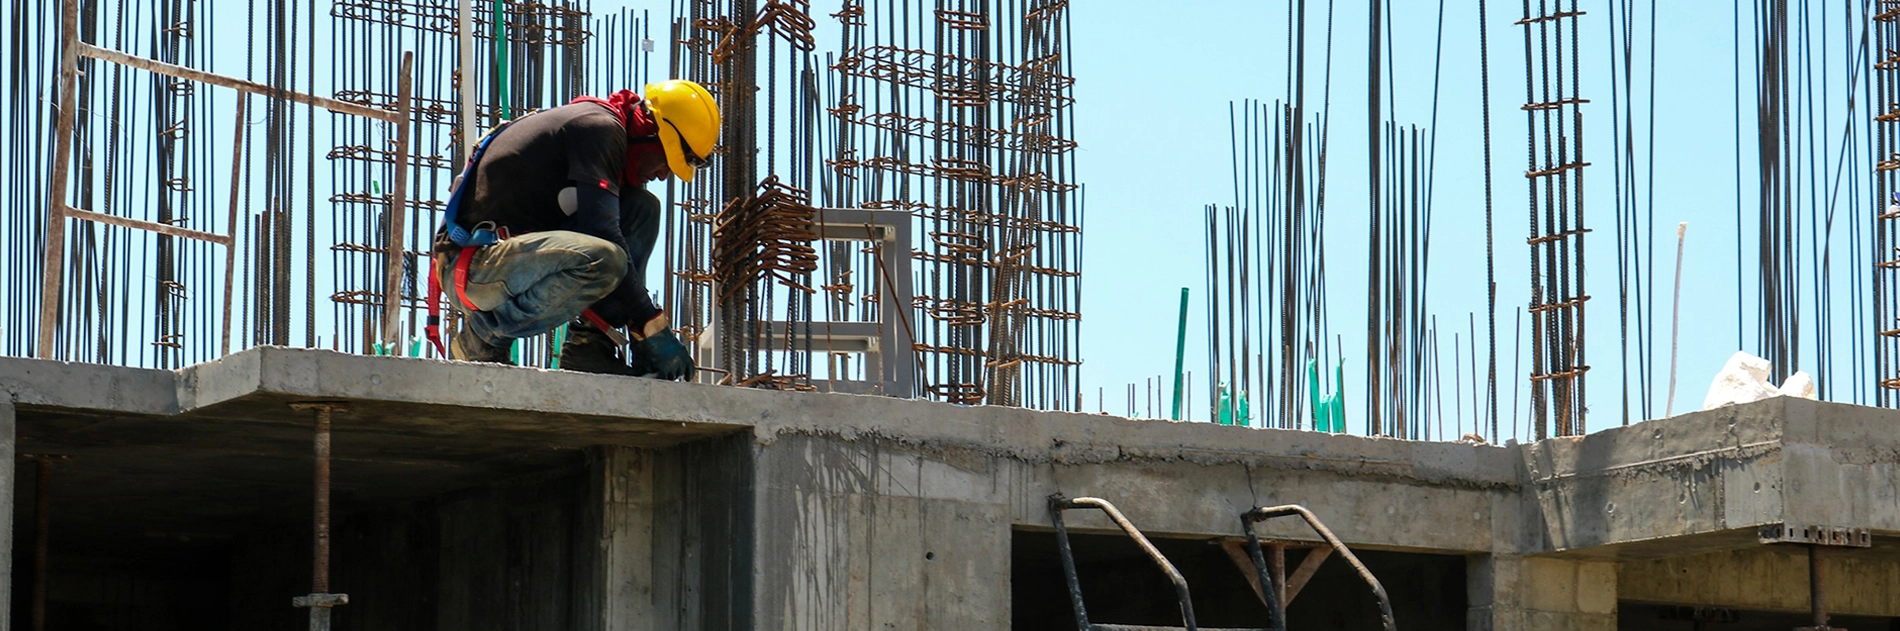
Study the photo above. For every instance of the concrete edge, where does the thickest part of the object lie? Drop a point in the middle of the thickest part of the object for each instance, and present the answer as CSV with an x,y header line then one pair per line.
x,y
84,386
1031,435
1688,440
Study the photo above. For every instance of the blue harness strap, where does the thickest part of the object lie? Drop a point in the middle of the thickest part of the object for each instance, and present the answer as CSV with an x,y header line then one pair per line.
x,y
461,236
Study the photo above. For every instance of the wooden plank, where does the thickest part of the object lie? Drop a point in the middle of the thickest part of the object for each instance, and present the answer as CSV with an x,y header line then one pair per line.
x,y
398,210
1308,566
1289,585
194,74
1276,567
1238,552
52,271
230,223
136,224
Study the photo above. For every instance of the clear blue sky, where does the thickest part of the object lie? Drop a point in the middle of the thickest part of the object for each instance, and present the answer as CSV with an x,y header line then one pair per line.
x,y
1153,92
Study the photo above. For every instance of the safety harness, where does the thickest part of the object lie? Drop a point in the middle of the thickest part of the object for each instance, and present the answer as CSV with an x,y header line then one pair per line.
x,y
484,235
487,234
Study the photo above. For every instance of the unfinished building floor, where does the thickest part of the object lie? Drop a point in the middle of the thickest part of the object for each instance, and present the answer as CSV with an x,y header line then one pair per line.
x,y
485,497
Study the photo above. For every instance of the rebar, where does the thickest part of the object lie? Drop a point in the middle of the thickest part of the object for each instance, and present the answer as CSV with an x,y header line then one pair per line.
x,y
1554,113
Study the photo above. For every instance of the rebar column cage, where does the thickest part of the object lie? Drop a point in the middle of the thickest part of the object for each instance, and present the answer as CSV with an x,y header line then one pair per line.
x,y
58,210
1887,114
1554,112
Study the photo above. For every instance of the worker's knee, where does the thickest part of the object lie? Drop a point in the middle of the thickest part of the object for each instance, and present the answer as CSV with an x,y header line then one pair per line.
x,y
600,266
555,264
609,261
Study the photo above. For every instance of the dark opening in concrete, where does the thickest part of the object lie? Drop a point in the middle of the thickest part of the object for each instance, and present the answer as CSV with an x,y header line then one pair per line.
x,y
1120,585
161,523
513,553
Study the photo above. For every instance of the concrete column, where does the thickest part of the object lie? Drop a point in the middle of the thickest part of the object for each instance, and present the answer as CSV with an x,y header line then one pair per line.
x,y
7,476
1509,593
623,542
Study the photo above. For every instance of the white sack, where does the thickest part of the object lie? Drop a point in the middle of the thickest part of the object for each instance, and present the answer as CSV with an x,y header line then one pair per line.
x,y
1743,379
1799,384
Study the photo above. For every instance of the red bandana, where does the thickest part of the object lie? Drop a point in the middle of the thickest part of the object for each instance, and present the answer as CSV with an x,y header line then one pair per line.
x,y
625,107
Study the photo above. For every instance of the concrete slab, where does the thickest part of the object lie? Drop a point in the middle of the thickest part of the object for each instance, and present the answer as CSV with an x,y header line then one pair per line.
x,y
807,510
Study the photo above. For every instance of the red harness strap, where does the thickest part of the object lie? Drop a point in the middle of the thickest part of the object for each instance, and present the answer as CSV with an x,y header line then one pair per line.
x,y
461,277
434,327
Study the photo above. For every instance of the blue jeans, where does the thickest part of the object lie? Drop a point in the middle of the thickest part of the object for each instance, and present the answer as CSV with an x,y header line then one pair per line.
x,y
532,283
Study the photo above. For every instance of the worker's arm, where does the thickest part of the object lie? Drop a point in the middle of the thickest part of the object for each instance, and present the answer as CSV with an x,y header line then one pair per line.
x,y
597,214
596,153
656,350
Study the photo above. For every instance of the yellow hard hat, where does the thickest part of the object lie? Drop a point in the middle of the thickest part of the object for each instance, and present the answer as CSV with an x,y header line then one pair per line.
x,y
689,123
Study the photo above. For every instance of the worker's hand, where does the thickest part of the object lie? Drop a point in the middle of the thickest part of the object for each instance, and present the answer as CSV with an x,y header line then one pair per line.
x,y
662,356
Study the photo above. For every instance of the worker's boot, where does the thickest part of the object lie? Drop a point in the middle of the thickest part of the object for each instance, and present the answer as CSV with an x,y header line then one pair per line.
x,y
468,347
587,349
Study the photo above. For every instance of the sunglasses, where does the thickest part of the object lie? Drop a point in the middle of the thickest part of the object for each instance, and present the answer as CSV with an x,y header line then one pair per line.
x,y
692,157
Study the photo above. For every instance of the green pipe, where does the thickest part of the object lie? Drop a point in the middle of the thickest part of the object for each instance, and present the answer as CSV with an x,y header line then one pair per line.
x,y
1180,350
1322,419
1339,397
501,60
560,340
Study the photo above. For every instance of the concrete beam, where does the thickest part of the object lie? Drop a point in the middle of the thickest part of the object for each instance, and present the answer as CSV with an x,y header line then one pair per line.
x,y
1841,466
1698,474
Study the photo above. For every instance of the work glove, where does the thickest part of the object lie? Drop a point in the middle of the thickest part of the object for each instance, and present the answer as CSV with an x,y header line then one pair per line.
x,y
660,354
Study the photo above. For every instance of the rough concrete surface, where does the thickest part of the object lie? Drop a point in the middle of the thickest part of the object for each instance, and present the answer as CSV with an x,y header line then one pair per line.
x,y
704,507
1771,578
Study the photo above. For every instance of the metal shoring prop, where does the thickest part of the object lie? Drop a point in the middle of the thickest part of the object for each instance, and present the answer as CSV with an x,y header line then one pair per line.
x,y
320,600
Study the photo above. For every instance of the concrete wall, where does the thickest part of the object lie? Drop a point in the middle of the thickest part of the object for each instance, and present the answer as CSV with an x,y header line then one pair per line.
x,y
868,533
703,536
1770,578
1514,592
630,540
859,535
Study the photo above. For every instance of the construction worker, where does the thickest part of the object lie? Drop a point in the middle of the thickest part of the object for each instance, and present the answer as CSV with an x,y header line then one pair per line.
x,y
551,223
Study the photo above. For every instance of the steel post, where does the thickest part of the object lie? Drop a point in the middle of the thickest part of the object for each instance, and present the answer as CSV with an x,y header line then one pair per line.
x,y
320,600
